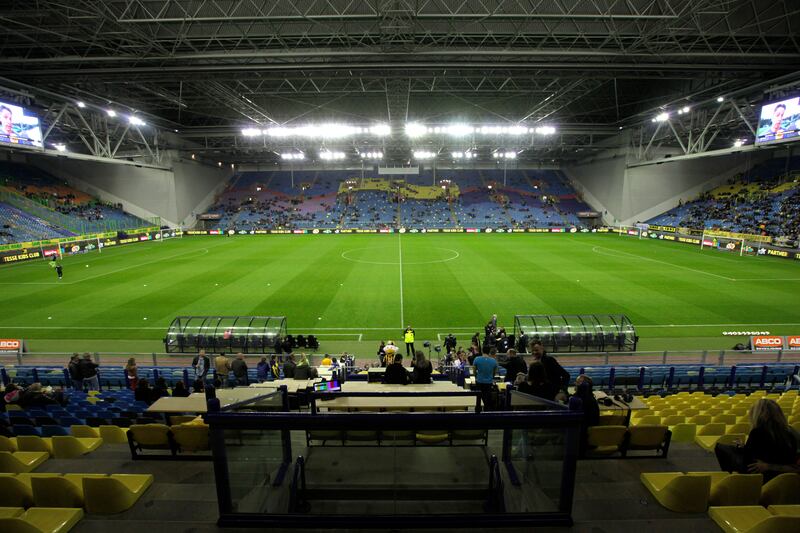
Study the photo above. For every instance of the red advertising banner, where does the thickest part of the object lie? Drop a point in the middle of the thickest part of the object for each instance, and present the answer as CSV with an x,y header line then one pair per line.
x,y
767,342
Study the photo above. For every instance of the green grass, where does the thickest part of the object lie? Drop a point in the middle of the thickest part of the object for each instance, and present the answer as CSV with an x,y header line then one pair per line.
x,y
343,286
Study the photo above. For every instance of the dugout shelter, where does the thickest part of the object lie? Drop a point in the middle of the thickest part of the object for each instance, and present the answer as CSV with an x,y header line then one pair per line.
x,y
576,333
245,334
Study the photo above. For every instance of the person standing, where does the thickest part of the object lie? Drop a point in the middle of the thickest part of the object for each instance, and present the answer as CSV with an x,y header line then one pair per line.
x,y
555,372
515,365
201,364
56,264
239,368
485,369
131,373
88,371
289,366
75,372
222,366
408,338
262,370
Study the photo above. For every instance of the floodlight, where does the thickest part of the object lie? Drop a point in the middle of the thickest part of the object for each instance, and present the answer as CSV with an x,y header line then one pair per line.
x,y
251,132
457,155
60,147
545,130
686,109
415,129
219,163
111,113
81,105
135,121
662,117
738,143
458,130
423,154
193,157
380,130
720,99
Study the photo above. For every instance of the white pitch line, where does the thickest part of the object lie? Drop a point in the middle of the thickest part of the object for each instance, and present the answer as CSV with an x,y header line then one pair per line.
x,y
767,279
400,262
615,252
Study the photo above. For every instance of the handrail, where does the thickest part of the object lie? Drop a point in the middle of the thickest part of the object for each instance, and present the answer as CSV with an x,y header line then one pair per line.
x,y
495,501
297,491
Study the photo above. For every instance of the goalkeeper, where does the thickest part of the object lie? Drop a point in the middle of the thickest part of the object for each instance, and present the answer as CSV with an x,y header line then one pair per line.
x,y
56,264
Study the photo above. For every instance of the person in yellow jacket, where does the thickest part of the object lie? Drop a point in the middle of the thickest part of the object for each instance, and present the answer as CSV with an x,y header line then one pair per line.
x,y
408,338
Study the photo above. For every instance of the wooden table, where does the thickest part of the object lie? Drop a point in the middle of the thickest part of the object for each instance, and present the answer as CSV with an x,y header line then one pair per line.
x,y
196,402
293,386
501,385
364,386
416,403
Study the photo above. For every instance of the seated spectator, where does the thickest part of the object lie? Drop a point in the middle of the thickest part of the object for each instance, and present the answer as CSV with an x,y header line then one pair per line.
x,y
422,369
239,369
10,395
584,400
396,374
770,441
262,370
326,361
289,367
537,383
274,368
144,393
36,396
198,386
304,370
160,389
180,390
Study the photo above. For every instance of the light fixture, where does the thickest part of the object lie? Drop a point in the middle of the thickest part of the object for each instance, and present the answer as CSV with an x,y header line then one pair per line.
x,y
326,131
463,155
81,105
135,121
545,130
504,155
686,109
738,143
60,147
415,129
293,156
193,157
219,163
327,155
423,154
381,130
720,99
251,132
371,155
662,117
111,113
232,165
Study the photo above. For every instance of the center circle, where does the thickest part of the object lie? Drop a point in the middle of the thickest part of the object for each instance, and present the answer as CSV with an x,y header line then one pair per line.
x,y
453,255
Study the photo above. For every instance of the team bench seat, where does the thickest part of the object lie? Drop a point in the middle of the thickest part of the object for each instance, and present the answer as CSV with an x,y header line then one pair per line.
x,y
38,519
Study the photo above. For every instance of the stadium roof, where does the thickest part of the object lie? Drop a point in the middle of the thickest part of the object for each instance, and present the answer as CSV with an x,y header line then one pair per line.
x,y
210,68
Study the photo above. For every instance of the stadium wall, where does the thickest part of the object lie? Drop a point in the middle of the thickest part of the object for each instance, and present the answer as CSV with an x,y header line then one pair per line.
x,y
173,194
626,194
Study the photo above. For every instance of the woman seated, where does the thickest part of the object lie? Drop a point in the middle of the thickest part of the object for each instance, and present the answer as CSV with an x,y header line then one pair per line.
x,y
180,390
144,393
771,445
422,369
304,370
537,383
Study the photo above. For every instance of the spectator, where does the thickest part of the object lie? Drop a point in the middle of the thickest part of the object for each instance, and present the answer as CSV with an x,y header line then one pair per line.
x,y
770,441
514,366
584,400
88,372
304,370
35,396
274,368
10,395
262,370
131,373
485,370
326,361
239,368
198,385
382,353
389,351
144,393
396,374
555,372
422,369
160,389
289,366
223,366
74,372
201,363
536,383
180,390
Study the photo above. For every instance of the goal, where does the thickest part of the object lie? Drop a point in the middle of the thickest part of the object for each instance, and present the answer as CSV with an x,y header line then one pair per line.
x,y
736,245
632,231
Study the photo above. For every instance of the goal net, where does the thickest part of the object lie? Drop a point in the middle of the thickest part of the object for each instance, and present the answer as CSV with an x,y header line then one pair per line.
x,y
630,231
735,245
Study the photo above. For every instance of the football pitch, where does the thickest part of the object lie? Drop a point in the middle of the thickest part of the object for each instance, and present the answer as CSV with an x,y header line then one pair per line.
x,y
351,290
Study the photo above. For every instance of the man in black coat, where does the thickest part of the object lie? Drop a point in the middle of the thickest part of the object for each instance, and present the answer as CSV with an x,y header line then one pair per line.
x,y
288,367
396,373
555,372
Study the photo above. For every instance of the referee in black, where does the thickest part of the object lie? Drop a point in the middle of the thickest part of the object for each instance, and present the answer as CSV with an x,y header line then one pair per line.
x,y
55,264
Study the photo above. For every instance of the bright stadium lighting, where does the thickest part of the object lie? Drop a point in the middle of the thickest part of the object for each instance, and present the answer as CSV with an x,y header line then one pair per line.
x,y
251,132
686,109
81,105
219,163
111,113
327,155
545,130
423,154
293,156
517,130
720,99
738,143
457,155
381,130
135,121
458,130
193,156
371,155
662,117
511,155
60,147
415,129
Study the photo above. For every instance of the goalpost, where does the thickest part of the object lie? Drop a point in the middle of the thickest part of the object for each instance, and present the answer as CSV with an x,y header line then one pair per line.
x,y
726,243
632,231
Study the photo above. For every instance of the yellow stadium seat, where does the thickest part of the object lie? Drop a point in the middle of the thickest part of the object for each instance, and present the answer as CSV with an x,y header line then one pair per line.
x,y
190,437
11,511
783,489
56,492
71,447
640,413
673,420
433,436
149,436
796,425
679,492
606,440
644,437
738,428
785,510
19,462
683,432
708,442
174,420
41,520
736,489
752,519
113,434
14,492
724,419
8,444
84,432
738,411
612,420
32,443
666,412
114,494
714,411
648,420
690,412
13,407
714,428
700,420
